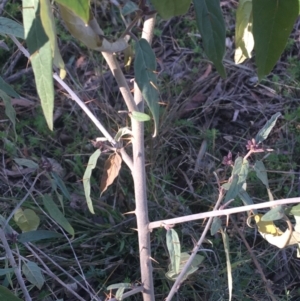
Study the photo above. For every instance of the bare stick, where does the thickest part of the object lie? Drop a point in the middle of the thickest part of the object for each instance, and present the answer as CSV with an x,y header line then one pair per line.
x,y
193,217
13,263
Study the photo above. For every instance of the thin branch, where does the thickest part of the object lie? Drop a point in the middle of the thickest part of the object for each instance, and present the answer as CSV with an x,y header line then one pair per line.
x,y
13,263
139,178
193,217
85,109
121,80
195,250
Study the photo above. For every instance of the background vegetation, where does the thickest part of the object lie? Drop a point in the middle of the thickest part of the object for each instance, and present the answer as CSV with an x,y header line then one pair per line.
x,y
199,110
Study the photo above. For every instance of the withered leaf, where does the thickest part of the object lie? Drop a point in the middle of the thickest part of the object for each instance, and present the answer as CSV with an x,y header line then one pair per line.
x,y
112,168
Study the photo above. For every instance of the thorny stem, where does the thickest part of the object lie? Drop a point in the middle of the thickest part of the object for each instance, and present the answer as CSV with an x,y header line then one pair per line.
x,y
195,250
139,178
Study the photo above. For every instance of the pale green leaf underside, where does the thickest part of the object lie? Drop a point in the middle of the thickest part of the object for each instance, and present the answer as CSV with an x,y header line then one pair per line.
x,y
33,274
87,178
174,248
244,41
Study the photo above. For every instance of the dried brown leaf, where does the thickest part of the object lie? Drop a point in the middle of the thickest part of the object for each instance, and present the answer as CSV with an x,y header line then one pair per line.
x,y
112,168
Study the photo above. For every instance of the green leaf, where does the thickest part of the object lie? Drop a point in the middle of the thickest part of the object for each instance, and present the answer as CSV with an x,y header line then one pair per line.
x,y
227,253
48,22
146,79
90,34
119,293
26,162
57,215
3,272
41,57
216,225
246,199
140,116
212,29
233,190
27,220
8,89
273,21
7,295
9,109
267,128
81,8
129,8
33,274
122,132
87,178
118,285
295,210
37,235
244,41
8,26
59,182
184,257
171,8
239,176
261,172
173,245
274,214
